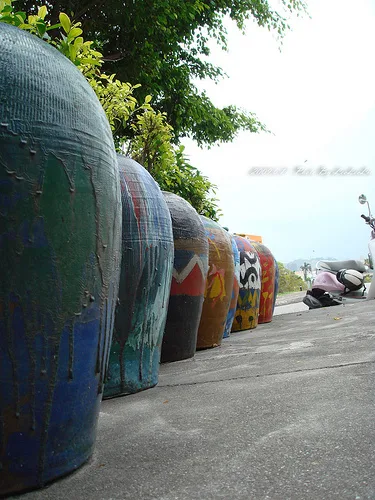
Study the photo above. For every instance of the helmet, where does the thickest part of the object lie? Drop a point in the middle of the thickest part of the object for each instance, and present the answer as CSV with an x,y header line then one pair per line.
x,y
350,278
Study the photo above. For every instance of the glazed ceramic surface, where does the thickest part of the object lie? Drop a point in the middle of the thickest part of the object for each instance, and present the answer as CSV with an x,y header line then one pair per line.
x,y
188,281
267,262
146,272
235,289
277,276
218,287
60,223
247,313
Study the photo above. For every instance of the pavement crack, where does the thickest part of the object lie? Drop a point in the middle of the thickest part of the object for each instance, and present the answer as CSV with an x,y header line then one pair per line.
x,y
261,375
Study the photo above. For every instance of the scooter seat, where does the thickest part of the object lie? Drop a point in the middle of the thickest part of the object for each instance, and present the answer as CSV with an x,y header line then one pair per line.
x,y
337,265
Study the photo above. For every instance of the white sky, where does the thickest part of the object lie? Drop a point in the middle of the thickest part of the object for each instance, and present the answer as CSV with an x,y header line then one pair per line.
x,y
317,96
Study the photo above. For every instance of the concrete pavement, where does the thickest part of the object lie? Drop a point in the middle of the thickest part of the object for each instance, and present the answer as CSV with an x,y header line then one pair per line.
x,y
290,298
290,303
290,308
285,411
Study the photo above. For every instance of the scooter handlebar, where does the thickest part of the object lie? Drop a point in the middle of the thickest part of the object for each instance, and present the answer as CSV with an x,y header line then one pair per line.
x,y
367,219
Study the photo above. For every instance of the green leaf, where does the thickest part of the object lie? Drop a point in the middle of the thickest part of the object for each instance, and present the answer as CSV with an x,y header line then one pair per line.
x,y
7,8
72,53
89,60
21,15
54,26
41,27
78,43
73,33
6,19
65,22
42,12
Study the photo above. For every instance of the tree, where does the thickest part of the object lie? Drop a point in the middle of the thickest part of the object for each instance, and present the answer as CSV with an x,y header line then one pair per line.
x,y
288,280
151,141
152,147
306,268
164,46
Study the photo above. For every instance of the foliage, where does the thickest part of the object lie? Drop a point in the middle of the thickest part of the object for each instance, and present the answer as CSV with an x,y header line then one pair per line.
x,y
368,276
118,102
152,147
289,281
70,43
306,268
115,96
164,45
151,137
34,24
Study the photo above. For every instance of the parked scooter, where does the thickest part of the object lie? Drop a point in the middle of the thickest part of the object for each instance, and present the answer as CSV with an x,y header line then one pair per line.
x,y
340,282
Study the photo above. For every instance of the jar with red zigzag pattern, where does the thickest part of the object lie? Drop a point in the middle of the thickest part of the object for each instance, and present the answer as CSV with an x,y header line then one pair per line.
x,y
188,280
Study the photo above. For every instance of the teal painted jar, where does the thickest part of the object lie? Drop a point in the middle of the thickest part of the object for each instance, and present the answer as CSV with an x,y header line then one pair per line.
x,y
146,274
60,223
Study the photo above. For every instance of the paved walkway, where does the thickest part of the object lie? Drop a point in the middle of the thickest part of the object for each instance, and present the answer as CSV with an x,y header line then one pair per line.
x,y
285,411
290,303
290,298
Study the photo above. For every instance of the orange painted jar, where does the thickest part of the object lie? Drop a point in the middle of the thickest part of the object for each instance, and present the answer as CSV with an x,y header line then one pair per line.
x,y
267,262
219,286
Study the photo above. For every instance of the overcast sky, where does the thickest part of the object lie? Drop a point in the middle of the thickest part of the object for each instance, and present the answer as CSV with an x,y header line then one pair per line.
x,y
317,96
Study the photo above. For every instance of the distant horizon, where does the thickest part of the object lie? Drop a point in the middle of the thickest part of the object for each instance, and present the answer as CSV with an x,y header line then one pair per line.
x,y
301,260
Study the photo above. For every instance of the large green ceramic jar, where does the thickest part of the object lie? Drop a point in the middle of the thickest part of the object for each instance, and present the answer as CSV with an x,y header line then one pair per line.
x,y
60,228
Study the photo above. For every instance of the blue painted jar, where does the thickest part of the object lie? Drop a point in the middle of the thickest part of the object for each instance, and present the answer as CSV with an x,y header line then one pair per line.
x,y
235,289
60,223
188,282
146,273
